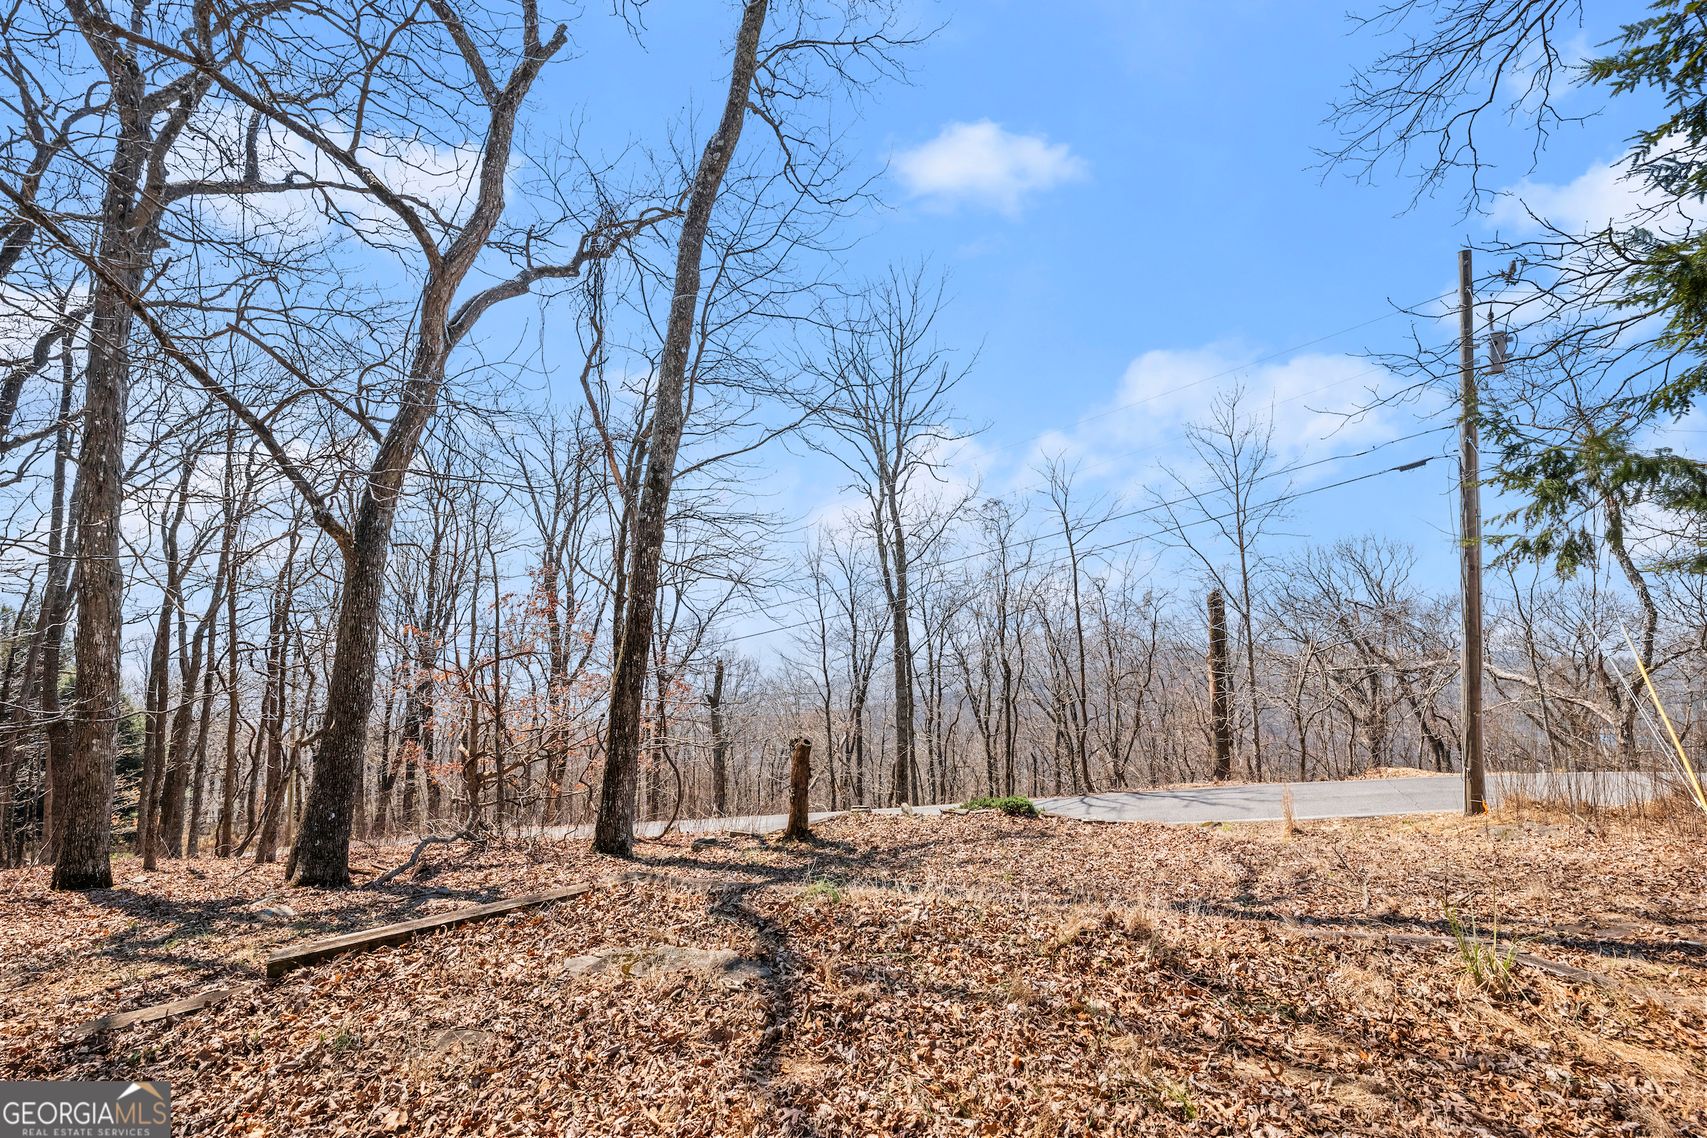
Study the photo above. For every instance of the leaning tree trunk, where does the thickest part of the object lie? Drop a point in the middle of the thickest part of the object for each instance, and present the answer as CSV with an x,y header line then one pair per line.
x,y
614,832
320,856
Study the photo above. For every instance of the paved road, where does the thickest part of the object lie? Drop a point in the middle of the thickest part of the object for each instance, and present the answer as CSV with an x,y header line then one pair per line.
x,y
750,823
1357,798
1241,802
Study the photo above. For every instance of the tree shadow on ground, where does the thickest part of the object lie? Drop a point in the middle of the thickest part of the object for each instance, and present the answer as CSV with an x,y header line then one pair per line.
x,y
1519,931
206,939
781,971
844,862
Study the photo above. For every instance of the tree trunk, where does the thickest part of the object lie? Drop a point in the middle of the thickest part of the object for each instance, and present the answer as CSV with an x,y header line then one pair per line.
x,y
856,745
320,855
184,760
181,771
83,794
154,736
225,839
1010,728
131,203
385,778
272,731
1650,623
1243,541
11,712
614,832
799,780
56,602
719,746
270,734
416,740
198,783
894,555
1220,689
1081,688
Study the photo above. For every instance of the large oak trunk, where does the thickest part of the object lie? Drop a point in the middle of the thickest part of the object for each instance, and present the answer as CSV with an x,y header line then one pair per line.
x,y
321,855
83,775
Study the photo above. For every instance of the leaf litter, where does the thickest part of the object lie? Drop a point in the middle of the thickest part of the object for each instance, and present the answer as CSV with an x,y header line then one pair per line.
x,y
913,975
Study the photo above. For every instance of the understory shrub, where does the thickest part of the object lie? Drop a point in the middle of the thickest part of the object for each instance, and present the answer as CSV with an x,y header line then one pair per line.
x,y
1013,805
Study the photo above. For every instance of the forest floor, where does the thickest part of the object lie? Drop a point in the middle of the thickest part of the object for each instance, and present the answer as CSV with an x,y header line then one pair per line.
x,y
965,974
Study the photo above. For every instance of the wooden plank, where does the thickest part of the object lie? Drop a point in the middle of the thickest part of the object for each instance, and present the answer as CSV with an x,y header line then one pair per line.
x,y
313,952
184,1006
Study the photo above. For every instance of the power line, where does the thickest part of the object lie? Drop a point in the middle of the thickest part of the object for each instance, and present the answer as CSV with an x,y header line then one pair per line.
x,y
1031,542
1278,353
1279,501
1150,397
797,584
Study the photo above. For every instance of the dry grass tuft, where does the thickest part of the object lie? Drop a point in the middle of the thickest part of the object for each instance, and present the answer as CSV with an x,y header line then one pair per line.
x,y
1084,923
1488,961
1671,811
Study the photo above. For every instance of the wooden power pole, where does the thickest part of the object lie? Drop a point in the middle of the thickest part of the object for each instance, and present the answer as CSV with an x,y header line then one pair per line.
x,y
1470,532
1220,688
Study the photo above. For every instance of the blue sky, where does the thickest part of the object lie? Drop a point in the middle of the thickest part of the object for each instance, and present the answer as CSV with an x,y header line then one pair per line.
x,y
1128,203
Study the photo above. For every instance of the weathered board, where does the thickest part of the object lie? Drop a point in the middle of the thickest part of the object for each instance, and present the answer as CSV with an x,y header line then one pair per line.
x,y
184,1006
313,952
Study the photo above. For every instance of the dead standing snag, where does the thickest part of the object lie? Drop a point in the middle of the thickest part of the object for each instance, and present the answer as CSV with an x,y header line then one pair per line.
x,y
799,780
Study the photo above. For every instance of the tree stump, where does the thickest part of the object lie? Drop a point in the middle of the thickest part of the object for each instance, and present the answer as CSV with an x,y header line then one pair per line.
x,y
799,776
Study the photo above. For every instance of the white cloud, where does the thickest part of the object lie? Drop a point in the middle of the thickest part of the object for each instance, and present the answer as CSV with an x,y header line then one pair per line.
x,y
1603,194
1317,402
981,164
1121,448
437,178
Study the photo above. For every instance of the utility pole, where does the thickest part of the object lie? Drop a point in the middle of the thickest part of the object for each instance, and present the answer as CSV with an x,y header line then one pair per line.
x,y
1470,533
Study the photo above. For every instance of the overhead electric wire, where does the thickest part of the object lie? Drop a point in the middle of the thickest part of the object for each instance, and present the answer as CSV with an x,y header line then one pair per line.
x,y
1140,511
1151,397
1029,543
1278,501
